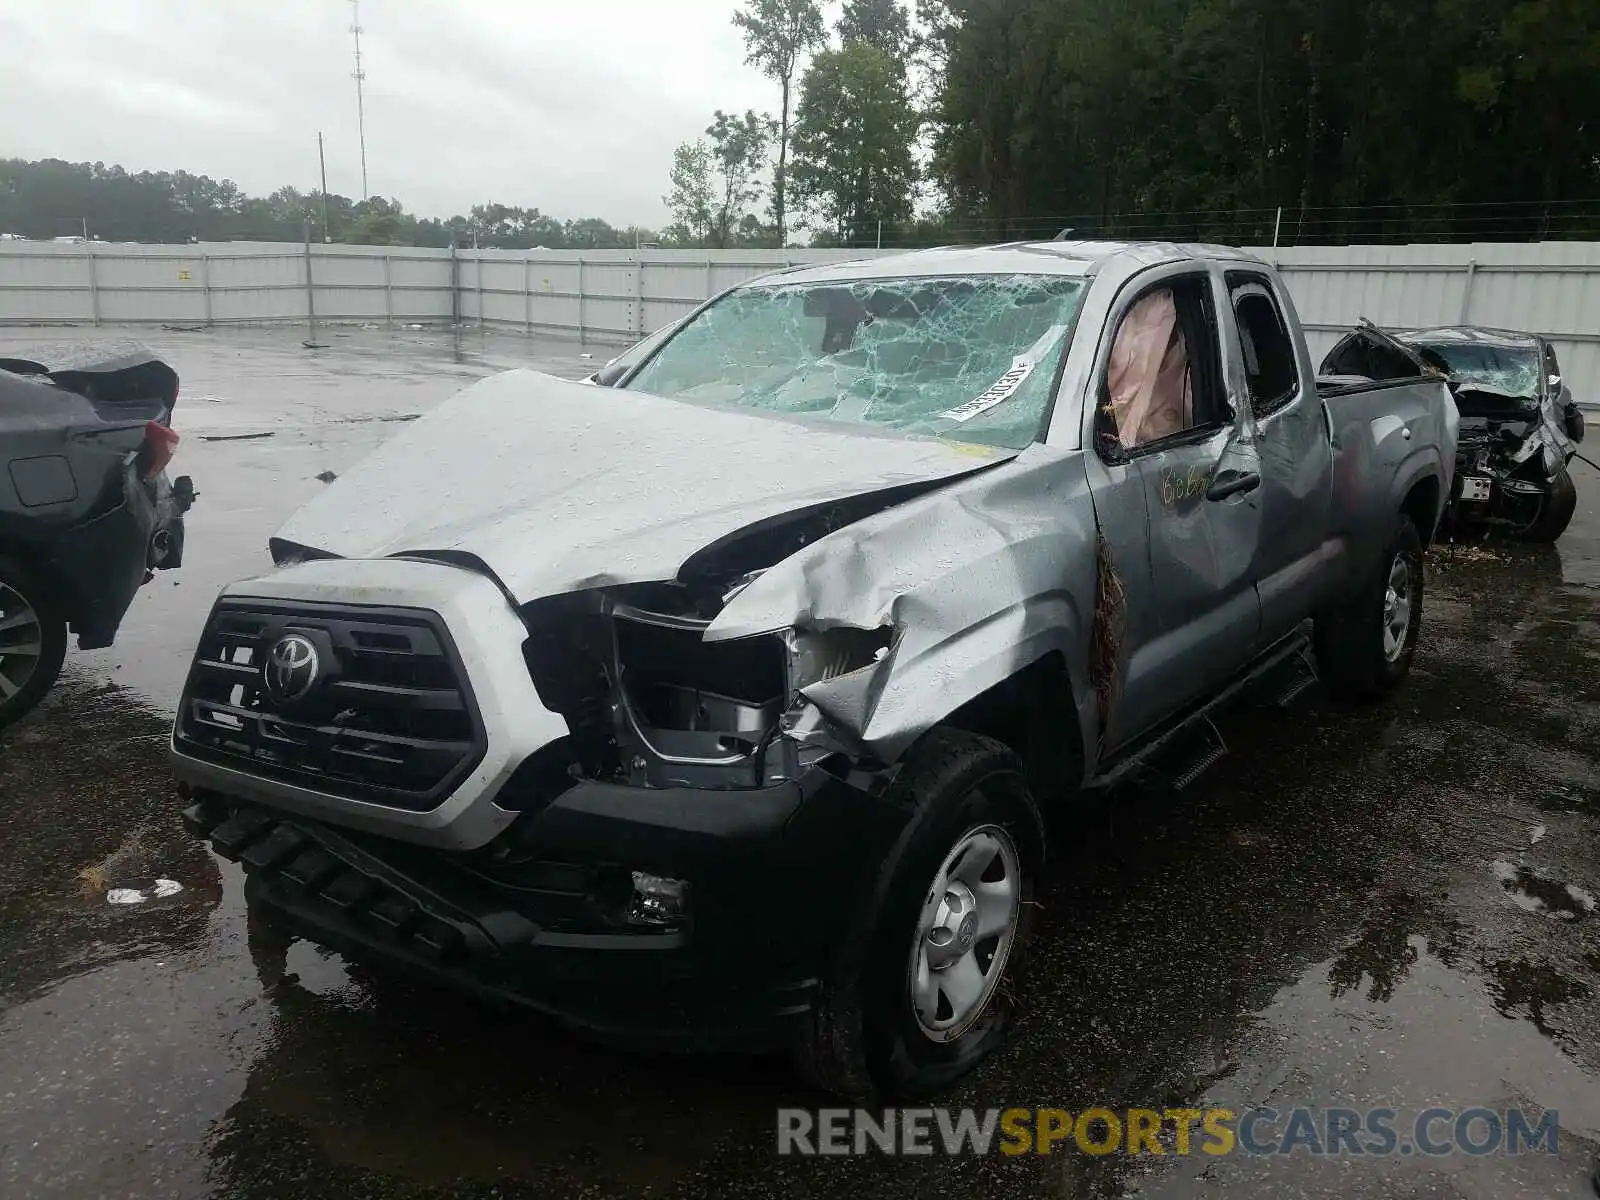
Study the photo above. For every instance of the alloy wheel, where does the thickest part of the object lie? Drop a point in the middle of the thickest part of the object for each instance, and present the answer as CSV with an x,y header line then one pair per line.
x,y
21,641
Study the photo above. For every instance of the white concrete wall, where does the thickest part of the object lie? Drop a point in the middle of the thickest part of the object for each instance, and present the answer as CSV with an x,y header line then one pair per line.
x,y
615,296
1551,288
606,296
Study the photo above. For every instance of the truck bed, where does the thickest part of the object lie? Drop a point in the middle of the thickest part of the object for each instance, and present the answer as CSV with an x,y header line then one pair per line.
x,y
1332,387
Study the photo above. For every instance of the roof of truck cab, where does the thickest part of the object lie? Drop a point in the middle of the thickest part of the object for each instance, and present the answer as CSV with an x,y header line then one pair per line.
x,y
1012,258
1476,335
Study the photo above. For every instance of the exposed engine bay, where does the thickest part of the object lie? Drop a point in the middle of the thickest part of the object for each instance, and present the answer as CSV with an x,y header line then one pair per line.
x,y
1511,461
652,703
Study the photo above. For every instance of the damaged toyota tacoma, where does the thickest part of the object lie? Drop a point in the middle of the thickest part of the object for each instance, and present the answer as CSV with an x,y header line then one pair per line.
x,y
721,704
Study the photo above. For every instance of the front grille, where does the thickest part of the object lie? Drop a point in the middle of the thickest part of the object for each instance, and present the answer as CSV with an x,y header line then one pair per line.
x,y
393,722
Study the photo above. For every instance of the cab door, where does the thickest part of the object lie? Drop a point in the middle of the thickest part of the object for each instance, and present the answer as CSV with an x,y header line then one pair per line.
x,y
1298,550
1165,414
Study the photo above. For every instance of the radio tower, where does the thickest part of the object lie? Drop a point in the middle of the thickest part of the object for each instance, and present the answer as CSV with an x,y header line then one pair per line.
x,y
360,77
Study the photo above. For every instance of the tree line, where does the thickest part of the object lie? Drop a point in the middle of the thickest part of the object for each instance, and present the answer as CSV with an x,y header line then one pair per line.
x,y
1359,118
51,198
1238,120
981,120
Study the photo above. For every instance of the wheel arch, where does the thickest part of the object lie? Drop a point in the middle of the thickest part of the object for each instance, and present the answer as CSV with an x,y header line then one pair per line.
x,y
1031,653
1423,503
1024,710
36,558
1420,490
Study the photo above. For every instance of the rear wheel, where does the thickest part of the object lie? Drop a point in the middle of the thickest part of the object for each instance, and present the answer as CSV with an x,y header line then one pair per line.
x,y
920,998
1365,645
1560,502
33,639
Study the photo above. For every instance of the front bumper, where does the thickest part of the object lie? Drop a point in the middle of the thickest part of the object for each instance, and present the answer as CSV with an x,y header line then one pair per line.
x,y
777,878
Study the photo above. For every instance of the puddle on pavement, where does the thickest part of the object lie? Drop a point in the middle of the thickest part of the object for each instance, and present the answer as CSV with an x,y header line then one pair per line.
x,y
1564,802
361,1072
1433,1035
1538,893
1534,986
1388,946
96,826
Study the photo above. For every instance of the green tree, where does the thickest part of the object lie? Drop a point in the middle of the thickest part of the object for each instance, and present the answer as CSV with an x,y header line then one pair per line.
x,y
432,232
591,233
881,23
854,130
1199,117
738,152
691,198
751,232
375,228
777,35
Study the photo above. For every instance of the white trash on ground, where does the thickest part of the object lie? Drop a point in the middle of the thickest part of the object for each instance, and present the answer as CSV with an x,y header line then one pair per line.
x,y
160,890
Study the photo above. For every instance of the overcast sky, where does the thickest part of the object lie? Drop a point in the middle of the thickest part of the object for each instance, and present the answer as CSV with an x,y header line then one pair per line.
x,y
570,106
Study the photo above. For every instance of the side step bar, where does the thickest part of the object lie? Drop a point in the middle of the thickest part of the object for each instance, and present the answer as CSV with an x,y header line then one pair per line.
x,y
1296,675
1212,749
1286,669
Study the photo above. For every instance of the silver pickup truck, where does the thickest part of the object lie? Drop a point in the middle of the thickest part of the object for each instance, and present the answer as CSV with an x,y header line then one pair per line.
x,y
720,704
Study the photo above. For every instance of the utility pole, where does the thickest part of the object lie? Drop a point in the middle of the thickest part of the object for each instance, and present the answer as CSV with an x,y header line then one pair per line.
x,y
360,77
322,161
311,342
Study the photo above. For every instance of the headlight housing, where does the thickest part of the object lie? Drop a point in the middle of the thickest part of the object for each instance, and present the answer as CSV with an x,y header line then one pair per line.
x,y
816,656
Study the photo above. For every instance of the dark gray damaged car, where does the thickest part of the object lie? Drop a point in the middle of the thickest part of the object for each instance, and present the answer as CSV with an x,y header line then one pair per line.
x,y
719,705
87,511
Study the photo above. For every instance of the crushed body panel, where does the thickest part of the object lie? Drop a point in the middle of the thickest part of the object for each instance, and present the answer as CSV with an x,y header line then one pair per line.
x,y
556,487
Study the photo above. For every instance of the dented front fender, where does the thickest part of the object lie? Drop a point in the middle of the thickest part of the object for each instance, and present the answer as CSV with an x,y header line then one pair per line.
x,y
979,579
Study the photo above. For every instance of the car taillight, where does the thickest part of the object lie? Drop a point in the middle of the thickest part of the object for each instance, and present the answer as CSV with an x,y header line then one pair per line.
x,y
160,444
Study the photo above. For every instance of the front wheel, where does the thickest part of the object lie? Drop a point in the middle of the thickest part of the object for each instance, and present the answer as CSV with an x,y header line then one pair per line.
x,y
919,998
1365,645
1560,502
33,639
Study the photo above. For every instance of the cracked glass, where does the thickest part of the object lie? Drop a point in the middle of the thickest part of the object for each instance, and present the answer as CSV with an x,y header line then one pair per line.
x,y
971,358
1514,370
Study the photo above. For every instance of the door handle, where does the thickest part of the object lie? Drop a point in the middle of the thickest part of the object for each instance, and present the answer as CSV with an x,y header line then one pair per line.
x,y
1232,483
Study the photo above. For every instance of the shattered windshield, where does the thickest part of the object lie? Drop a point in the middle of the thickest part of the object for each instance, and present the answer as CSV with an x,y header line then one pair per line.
x,y
1513,370
971,358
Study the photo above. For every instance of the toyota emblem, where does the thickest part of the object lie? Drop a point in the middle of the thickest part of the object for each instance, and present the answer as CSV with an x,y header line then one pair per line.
x,y
291,669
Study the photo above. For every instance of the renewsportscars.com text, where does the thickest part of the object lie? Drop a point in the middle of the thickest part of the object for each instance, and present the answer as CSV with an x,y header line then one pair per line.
x,y
1334,1132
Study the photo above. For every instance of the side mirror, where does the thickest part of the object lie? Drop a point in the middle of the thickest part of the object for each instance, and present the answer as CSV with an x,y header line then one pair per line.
x,y
1555,383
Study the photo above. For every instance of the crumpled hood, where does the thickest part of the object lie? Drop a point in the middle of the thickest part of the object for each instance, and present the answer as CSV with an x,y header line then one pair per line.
x,y
558,486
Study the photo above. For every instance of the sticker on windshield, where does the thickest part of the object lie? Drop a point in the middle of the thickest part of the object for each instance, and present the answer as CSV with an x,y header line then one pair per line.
x,y
1006,386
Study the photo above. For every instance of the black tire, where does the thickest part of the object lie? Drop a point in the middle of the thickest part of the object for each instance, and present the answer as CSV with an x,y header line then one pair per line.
x,y
24,681
1353,657
1560,502
864,1040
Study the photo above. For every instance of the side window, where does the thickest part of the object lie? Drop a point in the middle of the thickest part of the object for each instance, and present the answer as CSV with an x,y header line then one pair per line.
x,y
1552,368
1163,375
1264,341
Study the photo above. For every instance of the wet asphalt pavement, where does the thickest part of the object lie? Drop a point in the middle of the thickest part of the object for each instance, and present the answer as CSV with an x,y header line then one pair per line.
x,y
1390,906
